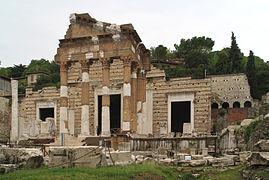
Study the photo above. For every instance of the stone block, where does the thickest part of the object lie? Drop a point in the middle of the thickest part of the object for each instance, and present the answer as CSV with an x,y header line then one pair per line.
x,y
259,159
44,127
196,163
205,151
262,145
124,146
187,128
192,151
24,157
246,122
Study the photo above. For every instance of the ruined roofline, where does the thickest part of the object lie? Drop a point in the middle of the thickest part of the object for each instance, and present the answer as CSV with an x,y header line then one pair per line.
x,y
86,18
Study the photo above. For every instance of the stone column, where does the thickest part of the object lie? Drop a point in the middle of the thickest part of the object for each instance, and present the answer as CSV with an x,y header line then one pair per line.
x,y
14,132
106,98
127,94
85,114
141,107
63,98
134,90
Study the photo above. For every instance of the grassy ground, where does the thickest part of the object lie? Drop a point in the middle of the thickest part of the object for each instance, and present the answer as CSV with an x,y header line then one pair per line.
x,y
146,171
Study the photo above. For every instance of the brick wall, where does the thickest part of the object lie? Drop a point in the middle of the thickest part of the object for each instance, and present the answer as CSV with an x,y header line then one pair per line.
x,y
237,114
161,88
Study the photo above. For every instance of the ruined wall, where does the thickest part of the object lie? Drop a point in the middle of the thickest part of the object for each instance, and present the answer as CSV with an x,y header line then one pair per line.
x,y
230,88
200,88
29,121
4,119
95,89
237,114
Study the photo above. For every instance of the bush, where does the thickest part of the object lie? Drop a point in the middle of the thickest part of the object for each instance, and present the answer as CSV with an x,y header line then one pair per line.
x,y
249,130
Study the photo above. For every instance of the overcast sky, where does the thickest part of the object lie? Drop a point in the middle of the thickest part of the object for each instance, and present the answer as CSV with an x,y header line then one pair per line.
x,y
30,29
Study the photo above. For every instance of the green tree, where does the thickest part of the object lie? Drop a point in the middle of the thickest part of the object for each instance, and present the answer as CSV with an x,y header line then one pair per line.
x,y
159,53
195,51
236,56
223,64
39,65
16,71
4,72
251,74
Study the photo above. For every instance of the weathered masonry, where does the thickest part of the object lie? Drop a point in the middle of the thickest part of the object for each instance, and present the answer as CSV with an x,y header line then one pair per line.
x,y
103,84
108,86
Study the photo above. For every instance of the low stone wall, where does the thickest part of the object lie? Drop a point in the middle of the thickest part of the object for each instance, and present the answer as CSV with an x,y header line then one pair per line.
x,y
4,120
74,156
22,157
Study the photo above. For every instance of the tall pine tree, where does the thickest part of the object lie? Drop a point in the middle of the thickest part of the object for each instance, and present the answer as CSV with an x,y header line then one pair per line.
x,y
251,74
236,57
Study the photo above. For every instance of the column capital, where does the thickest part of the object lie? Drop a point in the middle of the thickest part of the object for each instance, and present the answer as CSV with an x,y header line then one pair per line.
x,y
127,60
85,65
106,62
63,65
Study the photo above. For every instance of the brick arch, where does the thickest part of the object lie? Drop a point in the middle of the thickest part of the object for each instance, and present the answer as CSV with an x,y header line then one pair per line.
x,y
236,104
214,105
225,105
247,104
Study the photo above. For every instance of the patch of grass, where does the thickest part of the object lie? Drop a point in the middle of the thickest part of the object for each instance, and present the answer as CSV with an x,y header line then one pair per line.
x,y
115,172
140,172
230,174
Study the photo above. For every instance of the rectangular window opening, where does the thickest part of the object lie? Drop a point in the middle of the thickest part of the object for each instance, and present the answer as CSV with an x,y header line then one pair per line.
x,y
45,113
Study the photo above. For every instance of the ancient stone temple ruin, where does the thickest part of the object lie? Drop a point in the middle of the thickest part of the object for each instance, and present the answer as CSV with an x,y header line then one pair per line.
x,y
109,86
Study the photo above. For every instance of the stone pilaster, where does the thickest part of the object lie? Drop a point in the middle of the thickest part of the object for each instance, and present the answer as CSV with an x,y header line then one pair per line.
x,y
141,101
85,114
106,98
63,98
14,132
127,94
134,91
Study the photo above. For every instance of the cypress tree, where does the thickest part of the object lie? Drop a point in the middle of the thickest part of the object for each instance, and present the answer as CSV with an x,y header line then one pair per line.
x,y
236,56
251,74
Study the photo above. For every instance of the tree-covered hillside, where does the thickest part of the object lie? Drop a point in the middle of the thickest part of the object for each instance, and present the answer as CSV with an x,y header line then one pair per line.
x,y
199,60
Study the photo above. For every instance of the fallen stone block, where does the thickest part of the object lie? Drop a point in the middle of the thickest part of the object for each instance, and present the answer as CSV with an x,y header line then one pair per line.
x,y
197,163
259,158
75,156
243,156
262,145
6,168
148,160
247,122
24,157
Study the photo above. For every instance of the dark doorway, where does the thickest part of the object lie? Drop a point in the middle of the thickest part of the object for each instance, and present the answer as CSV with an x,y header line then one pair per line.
x,y
180,114
46,112
115,113
99,127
